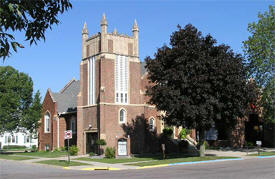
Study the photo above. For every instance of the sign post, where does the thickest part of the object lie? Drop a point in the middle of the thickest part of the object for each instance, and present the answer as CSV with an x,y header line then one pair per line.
x,y
259,143
163,150
68,136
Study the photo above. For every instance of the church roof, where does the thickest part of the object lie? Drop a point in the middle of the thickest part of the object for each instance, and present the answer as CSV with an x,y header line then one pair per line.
x,y
67,98
143,69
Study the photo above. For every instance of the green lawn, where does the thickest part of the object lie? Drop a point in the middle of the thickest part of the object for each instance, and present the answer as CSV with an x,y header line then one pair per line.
x,y
177,160
263,154
112,161
11,157
62,163
44,154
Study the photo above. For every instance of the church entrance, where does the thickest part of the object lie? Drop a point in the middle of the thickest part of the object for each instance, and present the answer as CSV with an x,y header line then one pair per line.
x,y
253,129
91,139
122,147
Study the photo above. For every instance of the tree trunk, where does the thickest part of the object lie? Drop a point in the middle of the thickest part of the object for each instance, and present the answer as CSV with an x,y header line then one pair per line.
x,y
201,142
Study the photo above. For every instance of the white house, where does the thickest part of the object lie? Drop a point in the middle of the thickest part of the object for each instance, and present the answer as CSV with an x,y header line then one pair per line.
x,y
20,138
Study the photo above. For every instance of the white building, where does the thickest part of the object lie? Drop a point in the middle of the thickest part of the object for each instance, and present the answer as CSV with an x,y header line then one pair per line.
x,y
20,138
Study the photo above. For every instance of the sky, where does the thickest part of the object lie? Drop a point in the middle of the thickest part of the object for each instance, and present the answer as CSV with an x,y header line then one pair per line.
x,y
54,62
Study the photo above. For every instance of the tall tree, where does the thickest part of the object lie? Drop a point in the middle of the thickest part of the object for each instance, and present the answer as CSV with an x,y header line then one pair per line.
x,y
260,52
32,17
197,83
33,115
17,107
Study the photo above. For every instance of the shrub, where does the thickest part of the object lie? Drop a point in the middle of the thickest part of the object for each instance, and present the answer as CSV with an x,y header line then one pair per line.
x,y
167,132
62,149
101,142
34,148
206,145
73,150
57,150
92,154
110,152
184,132
11,147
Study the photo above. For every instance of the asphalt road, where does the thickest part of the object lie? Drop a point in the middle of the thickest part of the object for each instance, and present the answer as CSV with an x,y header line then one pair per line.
x,y
247,169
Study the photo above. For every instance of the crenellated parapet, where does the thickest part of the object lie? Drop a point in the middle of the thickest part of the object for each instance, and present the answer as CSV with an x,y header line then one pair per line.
x,y
110,43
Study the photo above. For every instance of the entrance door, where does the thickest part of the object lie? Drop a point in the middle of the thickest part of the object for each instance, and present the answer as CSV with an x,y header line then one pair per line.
x,y
122,147
91,146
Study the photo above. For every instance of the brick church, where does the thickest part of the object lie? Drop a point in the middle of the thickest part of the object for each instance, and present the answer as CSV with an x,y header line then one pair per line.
x,y
109,102
108,99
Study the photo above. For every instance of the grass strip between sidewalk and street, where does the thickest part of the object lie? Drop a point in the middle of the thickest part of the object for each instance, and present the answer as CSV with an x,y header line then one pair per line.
x,y
114,161
63,163
177,160
11,157
263,154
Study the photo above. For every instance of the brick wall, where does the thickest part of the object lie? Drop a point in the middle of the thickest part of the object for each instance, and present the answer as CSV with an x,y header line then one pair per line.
x,y
47,138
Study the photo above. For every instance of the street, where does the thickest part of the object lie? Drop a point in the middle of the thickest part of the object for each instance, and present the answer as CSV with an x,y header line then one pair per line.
x,y
249,168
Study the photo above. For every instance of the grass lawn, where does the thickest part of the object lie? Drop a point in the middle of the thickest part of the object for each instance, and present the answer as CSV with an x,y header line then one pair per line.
x,y
176,160
263,154
62,163
112,161
44,154
11,157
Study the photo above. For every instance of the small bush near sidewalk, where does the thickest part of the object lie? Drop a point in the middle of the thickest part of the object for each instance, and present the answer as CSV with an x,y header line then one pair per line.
x,y
63,163
73,150
110,152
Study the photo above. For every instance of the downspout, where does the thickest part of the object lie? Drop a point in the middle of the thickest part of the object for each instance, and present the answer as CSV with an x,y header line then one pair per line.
x,y
58,145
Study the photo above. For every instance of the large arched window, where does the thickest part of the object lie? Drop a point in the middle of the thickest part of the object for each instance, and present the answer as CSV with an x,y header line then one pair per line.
x,y
47,123
122,116
152,124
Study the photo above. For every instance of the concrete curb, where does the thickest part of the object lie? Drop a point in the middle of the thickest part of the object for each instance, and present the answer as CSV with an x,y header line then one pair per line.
x,y
91,169
188,163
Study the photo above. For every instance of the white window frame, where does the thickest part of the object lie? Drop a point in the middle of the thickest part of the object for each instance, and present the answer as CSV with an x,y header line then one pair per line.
x,y
47,122
92,79
124,116
153,125
121,79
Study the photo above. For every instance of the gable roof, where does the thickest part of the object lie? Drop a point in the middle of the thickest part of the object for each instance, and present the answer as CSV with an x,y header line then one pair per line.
x,y
143,69
67,98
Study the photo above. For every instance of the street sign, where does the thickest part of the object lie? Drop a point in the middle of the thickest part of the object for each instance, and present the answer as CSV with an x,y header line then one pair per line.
x,y
258,142
68,134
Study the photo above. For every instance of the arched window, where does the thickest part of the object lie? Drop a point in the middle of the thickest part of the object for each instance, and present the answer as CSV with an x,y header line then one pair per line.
x,y
122,116
152,124
47,124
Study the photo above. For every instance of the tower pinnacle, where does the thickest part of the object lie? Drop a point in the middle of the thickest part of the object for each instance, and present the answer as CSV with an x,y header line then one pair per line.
x,y
85,29
104,20
135,27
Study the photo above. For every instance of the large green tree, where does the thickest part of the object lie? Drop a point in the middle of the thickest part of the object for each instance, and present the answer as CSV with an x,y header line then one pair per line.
x,y
31,17
260,52
197,83
17,106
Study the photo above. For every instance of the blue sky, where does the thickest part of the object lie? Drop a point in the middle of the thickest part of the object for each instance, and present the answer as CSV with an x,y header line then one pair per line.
x,y
53,63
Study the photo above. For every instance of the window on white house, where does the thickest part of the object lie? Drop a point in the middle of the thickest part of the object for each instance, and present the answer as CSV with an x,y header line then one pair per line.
x,y
16,139
121,79
25,139
6,139
13,139
152,124
122,116
47,124
92,63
